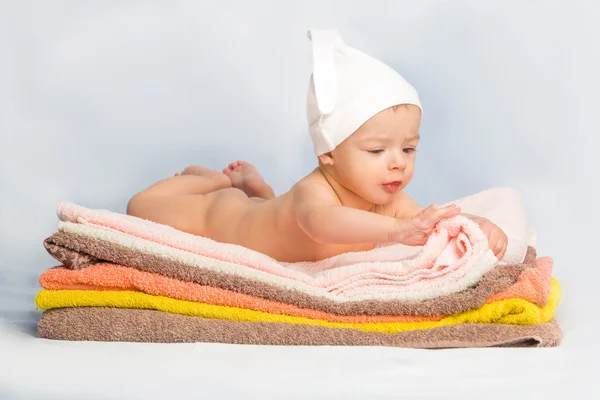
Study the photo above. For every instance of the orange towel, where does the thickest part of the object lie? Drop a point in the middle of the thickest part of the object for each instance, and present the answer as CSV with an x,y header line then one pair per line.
x,y
533,285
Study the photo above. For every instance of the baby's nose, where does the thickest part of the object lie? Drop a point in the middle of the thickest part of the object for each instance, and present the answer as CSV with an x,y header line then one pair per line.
x,y
397,162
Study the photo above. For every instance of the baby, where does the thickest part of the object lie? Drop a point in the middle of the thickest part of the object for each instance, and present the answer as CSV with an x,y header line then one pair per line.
x,y
364,123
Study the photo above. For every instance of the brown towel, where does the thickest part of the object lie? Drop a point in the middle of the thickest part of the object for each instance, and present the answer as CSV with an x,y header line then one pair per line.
x,y
136,325
76,252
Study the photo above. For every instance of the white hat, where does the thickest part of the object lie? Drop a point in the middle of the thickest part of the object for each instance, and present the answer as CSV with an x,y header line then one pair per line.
x,y
346,88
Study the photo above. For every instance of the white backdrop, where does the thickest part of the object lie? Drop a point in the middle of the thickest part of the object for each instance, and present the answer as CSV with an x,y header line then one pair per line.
x,y
100,99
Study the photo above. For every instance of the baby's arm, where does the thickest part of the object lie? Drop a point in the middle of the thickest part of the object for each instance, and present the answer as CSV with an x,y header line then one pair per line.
x,y
318,213
406,207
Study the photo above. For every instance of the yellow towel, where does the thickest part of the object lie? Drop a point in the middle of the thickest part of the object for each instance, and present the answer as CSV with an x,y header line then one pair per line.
x,y
510,311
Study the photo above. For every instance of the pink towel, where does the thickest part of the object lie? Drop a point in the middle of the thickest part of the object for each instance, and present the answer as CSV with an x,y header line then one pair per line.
x,y
455,257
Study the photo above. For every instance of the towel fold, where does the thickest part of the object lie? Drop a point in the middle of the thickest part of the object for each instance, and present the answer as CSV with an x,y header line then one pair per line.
x,y
533,285
70,247
510,311
135,325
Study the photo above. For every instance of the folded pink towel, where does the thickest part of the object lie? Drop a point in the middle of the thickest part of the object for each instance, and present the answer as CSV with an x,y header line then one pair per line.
x,y
455,257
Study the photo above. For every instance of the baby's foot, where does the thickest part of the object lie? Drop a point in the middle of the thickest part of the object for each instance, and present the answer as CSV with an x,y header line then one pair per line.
x,y
246,177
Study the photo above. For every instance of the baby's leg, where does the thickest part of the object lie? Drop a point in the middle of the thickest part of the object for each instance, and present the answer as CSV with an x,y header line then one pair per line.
x,y
179,201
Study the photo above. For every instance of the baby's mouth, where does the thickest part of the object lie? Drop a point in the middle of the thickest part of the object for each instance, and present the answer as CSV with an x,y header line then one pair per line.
x,y
392,186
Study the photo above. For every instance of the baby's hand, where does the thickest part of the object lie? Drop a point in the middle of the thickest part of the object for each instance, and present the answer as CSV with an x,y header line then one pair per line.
x,y
415,231
497,239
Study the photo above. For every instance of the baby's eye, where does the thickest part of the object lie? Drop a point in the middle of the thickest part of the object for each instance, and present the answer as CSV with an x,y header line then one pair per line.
x,y
378,151
409,150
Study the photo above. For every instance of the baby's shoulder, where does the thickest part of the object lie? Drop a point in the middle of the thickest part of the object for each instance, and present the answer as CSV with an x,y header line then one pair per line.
x,y
312,190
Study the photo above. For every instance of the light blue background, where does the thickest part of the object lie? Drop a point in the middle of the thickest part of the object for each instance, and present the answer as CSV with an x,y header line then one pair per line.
x,y
100,99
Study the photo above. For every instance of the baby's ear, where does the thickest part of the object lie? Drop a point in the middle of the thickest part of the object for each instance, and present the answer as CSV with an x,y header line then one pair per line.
x,y
327,158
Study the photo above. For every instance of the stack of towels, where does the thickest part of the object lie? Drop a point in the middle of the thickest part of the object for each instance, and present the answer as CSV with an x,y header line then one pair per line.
x,y
122,278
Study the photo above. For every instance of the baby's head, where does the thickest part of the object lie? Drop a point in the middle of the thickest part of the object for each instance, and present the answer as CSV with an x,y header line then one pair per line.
x,y
377,160
364,120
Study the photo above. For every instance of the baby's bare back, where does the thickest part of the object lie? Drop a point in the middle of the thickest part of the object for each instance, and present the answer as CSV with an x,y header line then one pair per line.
x,y
267,226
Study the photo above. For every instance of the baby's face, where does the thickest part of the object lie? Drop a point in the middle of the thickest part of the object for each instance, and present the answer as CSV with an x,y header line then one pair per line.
x,y
377,161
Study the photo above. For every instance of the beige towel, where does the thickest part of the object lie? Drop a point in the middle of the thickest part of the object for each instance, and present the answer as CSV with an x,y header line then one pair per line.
x,y
136,325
